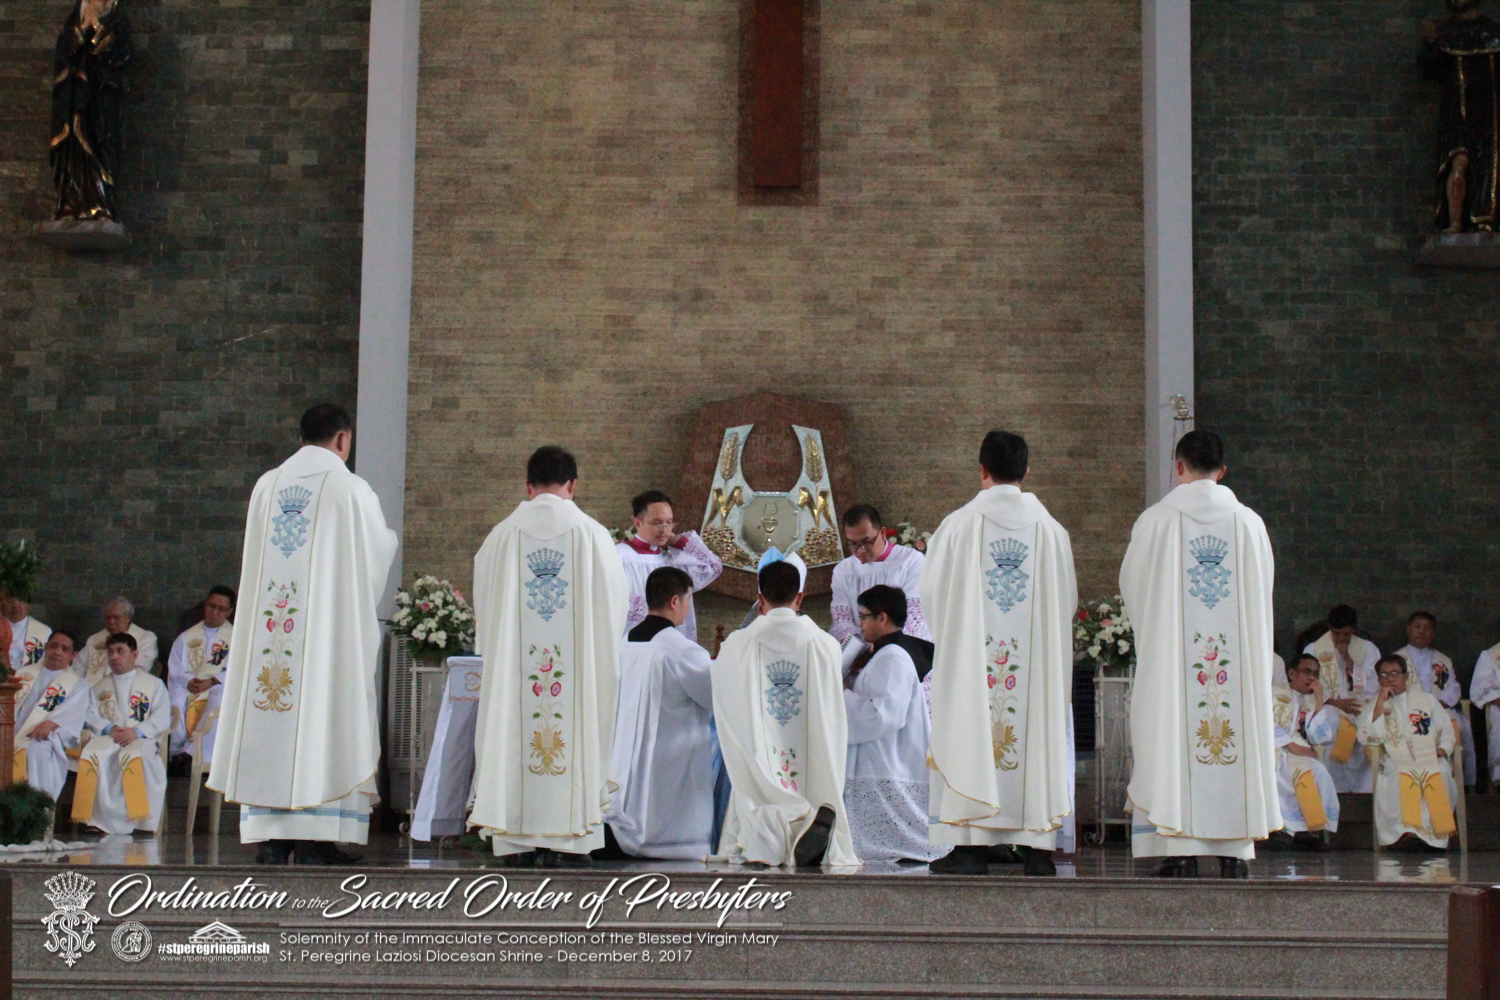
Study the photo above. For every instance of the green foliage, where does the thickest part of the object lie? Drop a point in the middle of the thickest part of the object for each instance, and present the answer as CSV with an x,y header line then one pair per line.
x,y
19,568
25,813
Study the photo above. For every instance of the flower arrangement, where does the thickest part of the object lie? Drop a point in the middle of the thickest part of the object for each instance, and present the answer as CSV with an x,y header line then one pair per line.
x,y
904,534
434,617
624,534
1103,635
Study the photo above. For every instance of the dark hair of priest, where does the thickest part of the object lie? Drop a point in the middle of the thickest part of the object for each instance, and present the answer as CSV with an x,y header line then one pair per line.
x,y
643,502
224,591
67,635
860,513
665,583
1201,451
1342,616
121,639
1307,658
1391,658
890,601
780,583
550,465
322,422
1004,456
1423,614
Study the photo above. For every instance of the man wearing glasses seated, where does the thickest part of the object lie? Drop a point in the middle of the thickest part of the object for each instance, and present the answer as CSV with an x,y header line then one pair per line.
x,y
876,561
1415,790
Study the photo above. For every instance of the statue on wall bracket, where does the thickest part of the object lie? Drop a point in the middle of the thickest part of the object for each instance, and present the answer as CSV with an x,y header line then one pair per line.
x,y
1460,53
88,87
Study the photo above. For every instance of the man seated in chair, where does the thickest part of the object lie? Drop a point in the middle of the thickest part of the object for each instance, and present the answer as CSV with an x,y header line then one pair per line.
x,y
122,781
1304,720
195,673
1415,790
1433,672
50,717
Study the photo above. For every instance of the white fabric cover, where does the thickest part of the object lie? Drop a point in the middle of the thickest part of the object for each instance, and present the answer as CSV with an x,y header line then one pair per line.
x,y
448,778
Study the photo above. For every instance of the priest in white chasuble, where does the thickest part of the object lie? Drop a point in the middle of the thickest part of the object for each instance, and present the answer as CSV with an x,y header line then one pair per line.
x,y
1433,672
91,661
1484,692
1000,596
779,707
664,736
875,560
549,606
122,781
1348,665
299,723
1415,790
49,717
885,777
28,639
195,672
1304,720
655,544
1197,581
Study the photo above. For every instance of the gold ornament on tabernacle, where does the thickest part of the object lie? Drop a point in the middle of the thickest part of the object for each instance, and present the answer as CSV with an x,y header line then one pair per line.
x,y
821,508
729,458
721,542
820,547
814,464
720,506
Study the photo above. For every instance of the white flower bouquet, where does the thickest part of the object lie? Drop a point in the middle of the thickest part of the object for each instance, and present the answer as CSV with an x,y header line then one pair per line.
x,y
1103,635
624,534
435,618
905,534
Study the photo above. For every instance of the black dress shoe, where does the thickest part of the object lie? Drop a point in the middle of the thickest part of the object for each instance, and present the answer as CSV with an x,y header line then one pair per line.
x,y
273,852
1177,867
1309,841
322,852
1280,840
522,859
1039,863
1003,854
813,844
1234,868
567,859
964,860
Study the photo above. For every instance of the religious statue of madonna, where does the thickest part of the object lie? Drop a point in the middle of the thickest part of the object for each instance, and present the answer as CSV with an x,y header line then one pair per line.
x,y
88,85
1460,53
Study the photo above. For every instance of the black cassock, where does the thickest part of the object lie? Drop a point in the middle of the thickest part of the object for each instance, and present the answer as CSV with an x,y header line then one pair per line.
x,y
88,85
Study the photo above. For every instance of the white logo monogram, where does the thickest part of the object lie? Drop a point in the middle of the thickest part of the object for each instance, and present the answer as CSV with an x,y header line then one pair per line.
x,y
70,928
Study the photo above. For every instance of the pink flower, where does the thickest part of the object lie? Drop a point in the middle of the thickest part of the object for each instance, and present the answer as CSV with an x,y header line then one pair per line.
x,y
425,605
270,624
991,679
536,689
1202,677
1106,623
1002,659
1010,683
1223,676
546,666
281,603
1211,655
556,688
288,626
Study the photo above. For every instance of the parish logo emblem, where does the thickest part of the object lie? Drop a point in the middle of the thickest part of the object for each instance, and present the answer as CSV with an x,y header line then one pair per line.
x,y
70,927
783,697
548,587
1210,580
131,941
1007,579
291,525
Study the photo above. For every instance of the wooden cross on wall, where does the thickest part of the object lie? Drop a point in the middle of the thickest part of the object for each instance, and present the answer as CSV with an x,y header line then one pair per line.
x,y
778,135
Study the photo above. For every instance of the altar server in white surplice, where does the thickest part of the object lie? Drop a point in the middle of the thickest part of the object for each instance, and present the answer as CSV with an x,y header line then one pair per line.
x,y
122,781
1415,791
876,560
885,777
1348,673
1197,583
195,672
299,723
1000,595
1304,720
779,707
657,544
1433,672
549,607
49,717
28,638
664,736
92,663
1484,692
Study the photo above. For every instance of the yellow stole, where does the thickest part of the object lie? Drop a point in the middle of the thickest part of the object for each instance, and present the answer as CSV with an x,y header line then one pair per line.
x,y
1304,783
1336,685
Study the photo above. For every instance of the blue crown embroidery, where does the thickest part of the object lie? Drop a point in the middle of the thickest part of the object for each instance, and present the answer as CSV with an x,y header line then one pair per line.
x,y
290,524
548,587
783,697
1209,580
1007,580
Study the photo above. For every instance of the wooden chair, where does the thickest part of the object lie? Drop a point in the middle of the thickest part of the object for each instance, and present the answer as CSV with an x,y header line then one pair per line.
x,y
164,744
195,782
1460,807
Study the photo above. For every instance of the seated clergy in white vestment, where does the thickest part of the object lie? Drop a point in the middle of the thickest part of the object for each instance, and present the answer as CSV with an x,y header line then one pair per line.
x,y
1278,669
1304,720
49,718
1433,672
1197,580
299,732
1347,663
664,736
875,560
655,544
195,672
779,707
1001,593
28,637
91,661
1415,790
885,776
1484,692
122,782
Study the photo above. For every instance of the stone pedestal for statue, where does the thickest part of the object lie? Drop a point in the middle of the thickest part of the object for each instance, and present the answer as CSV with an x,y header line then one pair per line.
x,y
84,234
1461,250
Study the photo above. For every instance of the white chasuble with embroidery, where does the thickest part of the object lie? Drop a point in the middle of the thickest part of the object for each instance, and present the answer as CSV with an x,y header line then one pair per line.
x,y
1000,592
550,599
1197,582
205,661
299,715
779,708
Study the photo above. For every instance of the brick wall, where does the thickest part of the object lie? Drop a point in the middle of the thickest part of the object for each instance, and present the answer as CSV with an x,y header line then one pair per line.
x,y
142,392
1356,392
585,275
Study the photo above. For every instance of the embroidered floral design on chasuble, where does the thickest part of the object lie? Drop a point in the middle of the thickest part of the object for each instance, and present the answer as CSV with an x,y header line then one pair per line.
x,y
1215,734
786,772
1001,668
783,698
291,525
1209,579
274,682
1007,580
547,744
546,587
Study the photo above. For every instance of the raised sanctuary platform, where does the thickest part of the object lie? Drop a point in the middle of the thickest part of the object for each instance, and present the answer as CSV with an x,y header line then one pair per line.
x,y
1344,924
